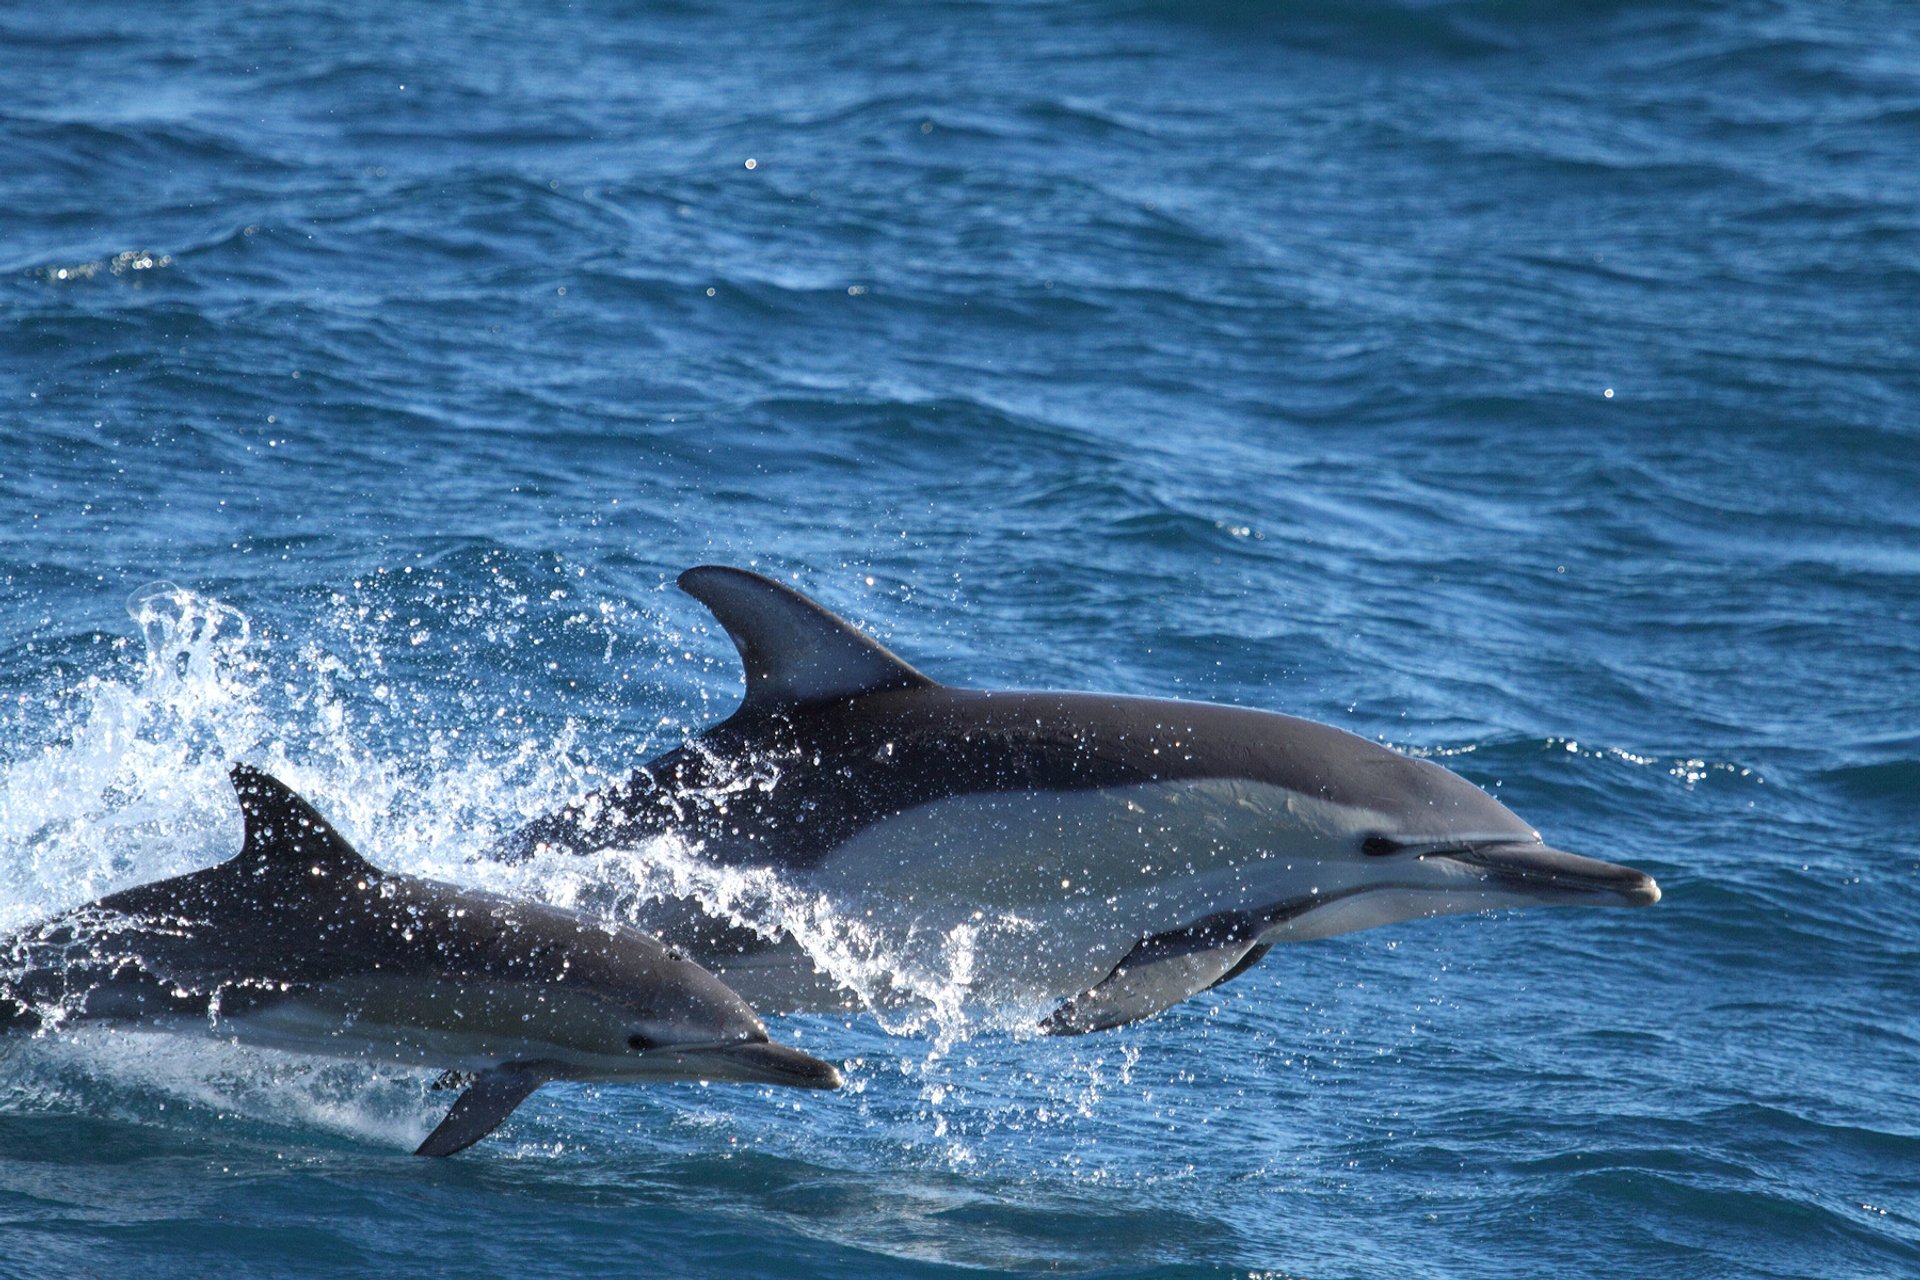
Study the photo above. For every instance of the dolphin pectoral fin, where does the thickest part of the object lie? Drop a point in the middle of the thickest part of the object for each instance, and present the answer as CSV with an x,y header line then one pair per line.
x,y
1253,957
482,1108
1160,972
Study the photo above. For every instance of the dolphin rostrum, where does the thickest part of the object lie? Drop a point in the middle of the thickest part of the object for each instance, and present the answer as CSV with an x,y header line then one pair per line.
x,y
1141,850
299,943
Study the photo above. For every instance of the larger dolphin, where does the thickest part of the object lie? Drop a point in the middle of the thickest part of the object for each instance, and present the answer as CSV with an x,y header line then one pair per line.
x,y
299,943
1149,849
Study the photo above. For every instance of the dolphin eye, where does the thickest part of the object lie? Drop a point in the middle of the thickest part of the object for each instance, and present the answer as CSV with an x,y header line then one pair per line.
x,y
640,1043
1378,846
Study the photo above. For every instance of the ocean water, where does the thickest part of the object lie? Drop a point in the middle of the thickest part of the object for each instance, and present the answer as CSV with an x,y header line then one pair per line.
x,y
1533,386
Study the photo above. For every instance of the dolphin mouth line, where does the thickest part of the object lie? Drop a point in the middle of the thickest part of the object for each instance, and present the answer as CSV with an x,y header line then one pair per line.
x,y
762,1061
1540,868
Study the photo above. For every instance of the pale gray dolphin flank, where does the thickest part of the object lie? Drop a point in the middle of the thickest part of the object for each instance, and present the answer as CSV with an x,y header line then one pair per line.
x,y
299,943
1156,848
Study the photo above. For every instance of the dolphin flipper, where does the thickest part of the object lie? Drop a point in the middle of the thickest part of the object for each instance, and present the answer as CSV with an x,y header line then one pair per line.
x,y
482,1108
1161,971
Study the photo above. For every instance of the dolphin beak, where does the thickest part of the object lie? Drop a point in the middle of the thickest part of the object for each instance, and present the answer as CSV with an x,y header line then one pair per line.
x,y
1553,876
764,1062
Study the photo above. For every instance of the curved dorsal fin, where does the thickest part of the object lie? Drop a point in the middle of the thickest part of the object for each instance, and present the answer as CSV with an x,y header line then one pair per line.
x,y
284,832
794,650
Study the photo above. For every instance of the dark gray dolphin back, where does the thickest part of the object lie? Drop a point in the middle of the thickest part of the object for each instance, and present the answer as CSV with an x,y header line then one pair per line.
x,y
859,736
292,874
795,652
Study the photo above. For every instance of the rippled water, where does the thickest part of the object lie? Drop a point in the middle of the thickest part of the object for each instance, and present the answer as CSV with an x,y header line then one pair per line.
x,y
1530,385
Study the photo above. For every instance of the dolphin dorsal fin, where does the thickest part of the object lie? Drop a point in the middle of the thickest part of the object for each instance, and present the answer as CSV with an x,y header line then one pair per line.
x,y
284,832
795,651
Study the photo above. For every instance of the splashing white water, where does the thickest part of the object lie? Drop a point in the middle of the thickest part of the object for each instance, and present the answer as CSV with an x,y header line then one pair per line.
x,y
911,985
128,786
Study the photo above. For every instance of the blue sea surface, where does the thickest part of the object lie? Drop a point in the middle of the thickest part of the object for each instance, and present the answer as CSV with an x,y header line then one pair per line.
x,y
1534,387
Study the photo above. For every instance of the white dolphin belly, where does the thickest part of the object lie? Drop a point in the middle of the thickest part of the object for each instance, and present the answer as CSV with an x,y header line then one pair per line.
x,y
1033,897
1045,892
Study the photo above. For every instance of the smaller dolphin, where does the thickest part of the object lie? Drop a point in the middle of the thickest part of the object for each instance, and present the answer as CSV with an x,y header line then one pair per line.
x,y
299,943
